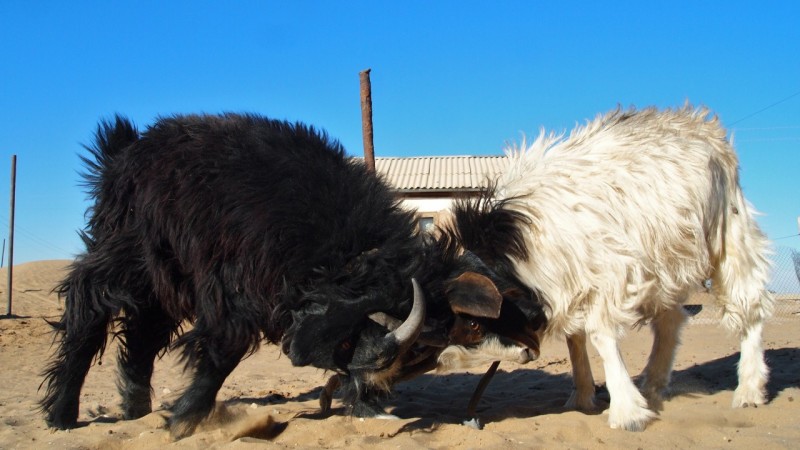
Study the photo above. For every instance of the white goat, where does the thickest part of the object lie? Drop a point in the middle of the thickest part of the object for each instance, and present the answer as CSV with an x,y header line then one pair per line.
x,y
617,224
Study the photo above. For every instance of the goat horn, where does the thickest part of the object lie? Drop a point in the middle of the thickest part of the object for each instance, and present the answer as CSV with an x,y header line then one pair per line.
x,y
408,332
381,318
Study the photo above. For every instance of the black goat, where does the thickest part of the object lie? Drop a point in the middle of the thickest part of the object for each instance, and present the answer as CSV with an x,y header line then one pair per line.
x,y
250,229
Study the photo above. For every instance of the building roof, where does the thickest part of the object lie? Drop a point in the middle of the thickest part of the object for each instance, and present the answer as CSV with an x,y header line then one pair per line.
x,y
440,173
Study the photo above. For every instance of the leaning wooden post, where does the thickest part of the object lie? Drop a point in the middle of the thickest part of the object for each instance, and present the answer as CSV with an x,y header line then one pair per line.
x,y
366,119
11,231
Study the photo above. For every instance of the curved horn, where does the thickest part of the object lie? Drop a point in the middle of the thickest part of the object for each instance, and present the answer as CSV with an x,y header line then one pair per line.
x,y
408,332
381,318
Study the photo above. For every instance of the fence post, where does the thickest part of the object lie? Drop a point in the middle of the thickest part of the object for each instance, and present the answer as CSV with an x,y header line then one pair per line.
x,y
11,231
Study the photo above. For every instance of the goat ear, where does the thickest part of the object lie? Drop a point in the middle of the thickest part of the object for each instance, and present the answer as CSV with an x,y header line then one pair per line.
x,y
474,294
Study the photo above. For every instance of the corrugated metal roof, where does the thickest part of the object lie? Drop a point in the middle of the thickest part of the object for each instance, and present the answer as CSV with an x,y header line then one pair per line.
x,y
440,173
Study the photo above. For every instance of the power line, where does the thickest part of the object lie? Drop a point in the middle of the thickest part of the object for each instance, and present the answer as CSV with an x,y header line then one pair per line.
x,y
764,109
31,237
777,139
785,127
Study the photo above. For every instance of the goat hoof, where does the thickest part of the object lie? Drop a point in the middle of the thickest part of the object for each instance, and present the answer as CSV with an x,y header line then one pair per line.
x,y
474,423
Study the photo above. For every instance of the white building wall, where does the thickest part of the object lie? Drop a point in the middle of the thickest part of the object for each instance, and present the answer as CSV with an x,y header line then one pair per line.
x,y
428,205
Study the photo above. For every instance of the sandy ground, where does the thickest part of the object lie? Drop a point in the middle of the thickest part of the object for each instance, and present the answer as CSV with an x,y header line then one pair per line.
x,y
266,402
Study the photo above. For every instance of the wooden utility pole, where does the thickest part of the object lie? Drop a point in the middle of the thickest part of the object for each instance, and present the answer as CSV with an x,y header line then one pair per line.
x,y
366,119
11,230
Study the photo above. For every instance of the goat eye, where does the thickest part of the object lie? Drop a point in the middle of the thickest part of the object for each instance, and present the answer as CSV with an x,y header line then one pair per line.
x,y
345,345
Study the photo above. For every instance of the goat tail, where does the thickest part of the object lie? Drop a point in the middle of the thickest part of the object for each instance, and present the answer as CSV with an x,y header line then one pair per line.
x,y
742,267
111,137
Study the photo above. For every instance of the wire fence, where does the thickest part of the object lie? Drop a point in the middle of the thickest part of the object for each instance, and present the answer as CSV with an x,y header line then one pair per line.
x,y
784,285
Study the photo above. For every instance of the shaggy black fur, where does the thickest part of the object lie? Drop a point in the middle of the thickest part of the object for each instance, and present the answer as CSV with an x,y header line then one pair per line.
x,y
249,229
483,226
246,227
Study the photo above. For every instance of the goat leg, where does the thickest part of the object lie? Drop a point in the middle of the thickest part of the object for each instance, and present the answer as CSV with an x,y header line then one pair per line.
x,y
326,396
474,421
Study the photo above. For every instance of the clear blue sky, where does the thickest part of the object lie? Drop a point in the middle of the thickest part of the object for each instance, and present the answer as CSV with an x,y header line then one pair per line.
x,y
448,78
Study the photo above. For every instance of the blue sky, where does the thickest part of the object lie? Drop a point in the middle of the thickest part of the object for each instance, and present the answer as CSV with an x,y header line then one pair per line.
x,y
448,78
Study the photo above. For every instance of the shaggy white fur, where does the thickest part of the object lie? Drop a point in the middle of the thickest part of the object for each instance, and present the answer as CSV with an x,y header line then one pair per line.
x,y
626,216
458,357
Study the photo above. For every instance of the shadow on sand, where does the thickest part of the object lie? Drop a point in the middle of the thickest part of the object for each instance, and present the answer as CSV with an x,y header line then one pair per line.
x,y
528,393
